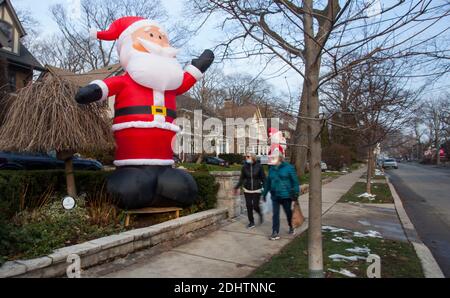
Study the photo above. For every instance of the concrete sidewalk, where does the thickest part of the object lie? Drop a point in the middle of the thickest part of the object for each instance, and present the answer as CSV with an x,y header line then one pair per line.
x,y
231,251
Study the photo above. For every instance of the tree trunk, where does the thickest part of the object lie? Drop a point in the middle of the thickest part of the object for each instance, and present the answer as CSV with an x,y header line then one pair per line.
x,y
312,67
436,136
370,170
67,157
438,149
300,150
315,188
199,159
70,178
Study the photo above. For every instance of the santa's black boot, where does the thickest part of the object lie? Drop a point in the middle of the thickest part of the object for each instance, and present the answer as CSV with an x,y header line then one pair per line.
x,y
175,188
133,187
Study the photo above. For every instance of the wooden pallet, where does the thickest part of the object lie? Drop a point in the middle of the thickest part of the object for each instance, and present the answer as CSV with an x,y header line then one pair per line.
x,y
151,210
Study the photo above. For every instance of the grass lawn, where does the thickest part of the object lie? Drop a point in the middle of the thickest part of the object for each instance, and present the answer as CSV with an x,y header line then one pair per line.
x,y
355,166
379,177
398,259
325,175
381,190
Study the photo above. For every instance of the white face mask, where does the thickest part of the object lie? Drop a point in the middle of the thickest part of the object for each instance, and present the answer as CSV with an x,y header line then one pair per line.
x,y
274,160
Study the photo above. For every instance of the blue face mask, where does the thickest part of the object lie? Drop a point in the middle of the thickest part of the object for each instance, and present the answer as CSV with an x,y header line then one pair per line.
x,y
249,161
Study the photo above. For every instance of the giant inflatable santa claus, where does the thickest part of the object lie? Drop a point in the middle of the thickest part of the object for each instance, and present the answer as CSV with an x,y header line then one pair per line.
x,y
145,110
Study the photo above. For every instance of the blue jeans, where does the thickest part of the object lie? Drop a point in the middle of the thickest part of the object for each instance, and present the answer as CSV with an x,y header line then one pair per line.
x,y
276,203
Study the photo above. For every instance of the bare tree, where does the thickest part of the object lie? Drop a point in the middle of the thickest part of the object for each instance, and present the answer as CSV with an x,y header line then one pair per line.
x,y
208,92
239,88
57,51
418,133
96,14
374,97
30,23
434,117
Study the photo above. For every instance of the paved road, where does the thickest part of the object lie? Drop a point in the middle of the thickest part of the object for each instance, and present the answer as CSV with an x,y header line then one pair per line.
x,y
425,192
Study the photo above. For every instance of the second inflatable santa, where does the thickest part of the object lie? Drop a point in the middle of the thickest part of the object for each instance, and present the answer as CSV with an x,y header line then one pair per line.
x,y
145,110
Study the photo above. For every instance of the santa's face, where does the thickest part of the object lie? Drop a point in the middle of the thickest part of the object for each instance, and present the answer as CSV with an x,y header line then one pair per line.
x,y
150,60
276,137
274,158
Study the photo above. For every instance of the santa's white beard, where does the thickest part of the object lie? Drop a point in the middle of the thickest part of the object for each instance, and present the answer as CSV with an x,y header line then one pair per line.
x,y
277,139
152,70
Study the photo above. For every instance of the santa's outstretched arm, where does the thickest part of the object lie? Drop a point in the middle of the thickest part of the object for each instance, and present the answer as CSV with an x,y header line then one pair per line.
x,y
194,71
99,90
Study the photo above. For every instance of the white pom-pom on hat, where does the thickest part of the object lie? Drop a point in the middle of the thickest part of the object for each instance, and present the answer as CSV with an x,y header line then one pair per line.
x,y
93,33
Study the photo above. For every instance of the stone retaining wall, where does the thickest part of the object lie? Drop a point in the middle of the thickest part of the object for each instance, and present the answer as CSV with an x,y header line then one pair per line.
x,y
225,197
107,248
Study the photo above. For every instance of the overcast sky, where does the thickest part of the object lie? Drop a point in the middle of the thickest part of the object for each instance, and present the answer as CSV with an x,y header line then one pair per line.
x,y
205,39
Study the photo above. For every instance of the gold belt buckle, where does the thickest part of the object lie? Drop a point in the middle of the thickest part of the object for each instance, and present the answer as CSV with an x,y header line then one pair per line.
x,y
159,110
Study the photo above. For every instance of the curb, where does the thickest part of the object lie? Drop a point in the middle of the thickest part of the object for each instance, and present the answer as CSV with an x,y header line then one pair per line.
x,y
430,267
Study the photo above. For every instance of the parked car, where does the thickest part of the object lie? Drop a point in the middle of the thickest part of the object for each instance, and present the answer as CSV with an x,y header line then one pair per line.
x,y
176,159
263,159
323,166
390,163
215,161
380,162
43,161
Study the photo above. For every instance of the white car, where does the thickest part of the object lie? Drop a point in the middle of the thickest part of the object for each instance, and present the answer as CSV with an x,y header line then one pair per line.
x,y
390,163
323,166
263,159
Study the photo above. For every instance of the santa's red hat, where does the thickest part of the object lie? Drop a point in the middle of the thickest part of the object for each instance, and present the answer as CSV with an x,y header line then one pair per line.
x,y
273,131
122,28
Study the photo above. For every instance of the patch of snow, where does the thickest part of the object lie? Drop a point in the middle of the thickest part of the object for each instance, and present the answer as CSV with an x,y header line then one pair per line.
x,y
338,258
343,272
359,250
364,223
368,196
334,229
340,239
371,234
378,173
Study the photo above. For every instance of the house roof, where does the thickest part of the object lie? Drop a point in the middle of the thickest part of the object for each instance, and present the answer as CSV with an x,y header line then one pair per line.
x,y
25,59
85,78
14,16
234,111
185,102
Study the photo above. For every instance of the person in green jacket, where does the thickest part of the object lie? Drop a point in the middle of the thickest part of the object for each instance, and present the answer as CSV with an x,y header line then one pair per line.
x,y
284,187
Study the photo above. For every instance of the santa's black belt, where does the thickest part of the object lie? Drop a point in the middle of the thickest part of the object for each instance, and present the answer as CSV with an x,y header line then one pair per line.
x,y
151,110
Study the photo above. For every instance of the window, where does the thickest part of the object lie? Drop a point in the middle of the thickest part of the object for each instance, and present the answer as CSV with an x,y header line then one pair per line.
x,y
12,80
241,149
6,31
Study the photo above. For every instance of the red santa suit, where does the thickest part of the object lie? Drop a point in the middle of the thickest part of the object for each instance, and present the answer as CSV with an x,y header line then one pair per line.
x,y
277,142
143,124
